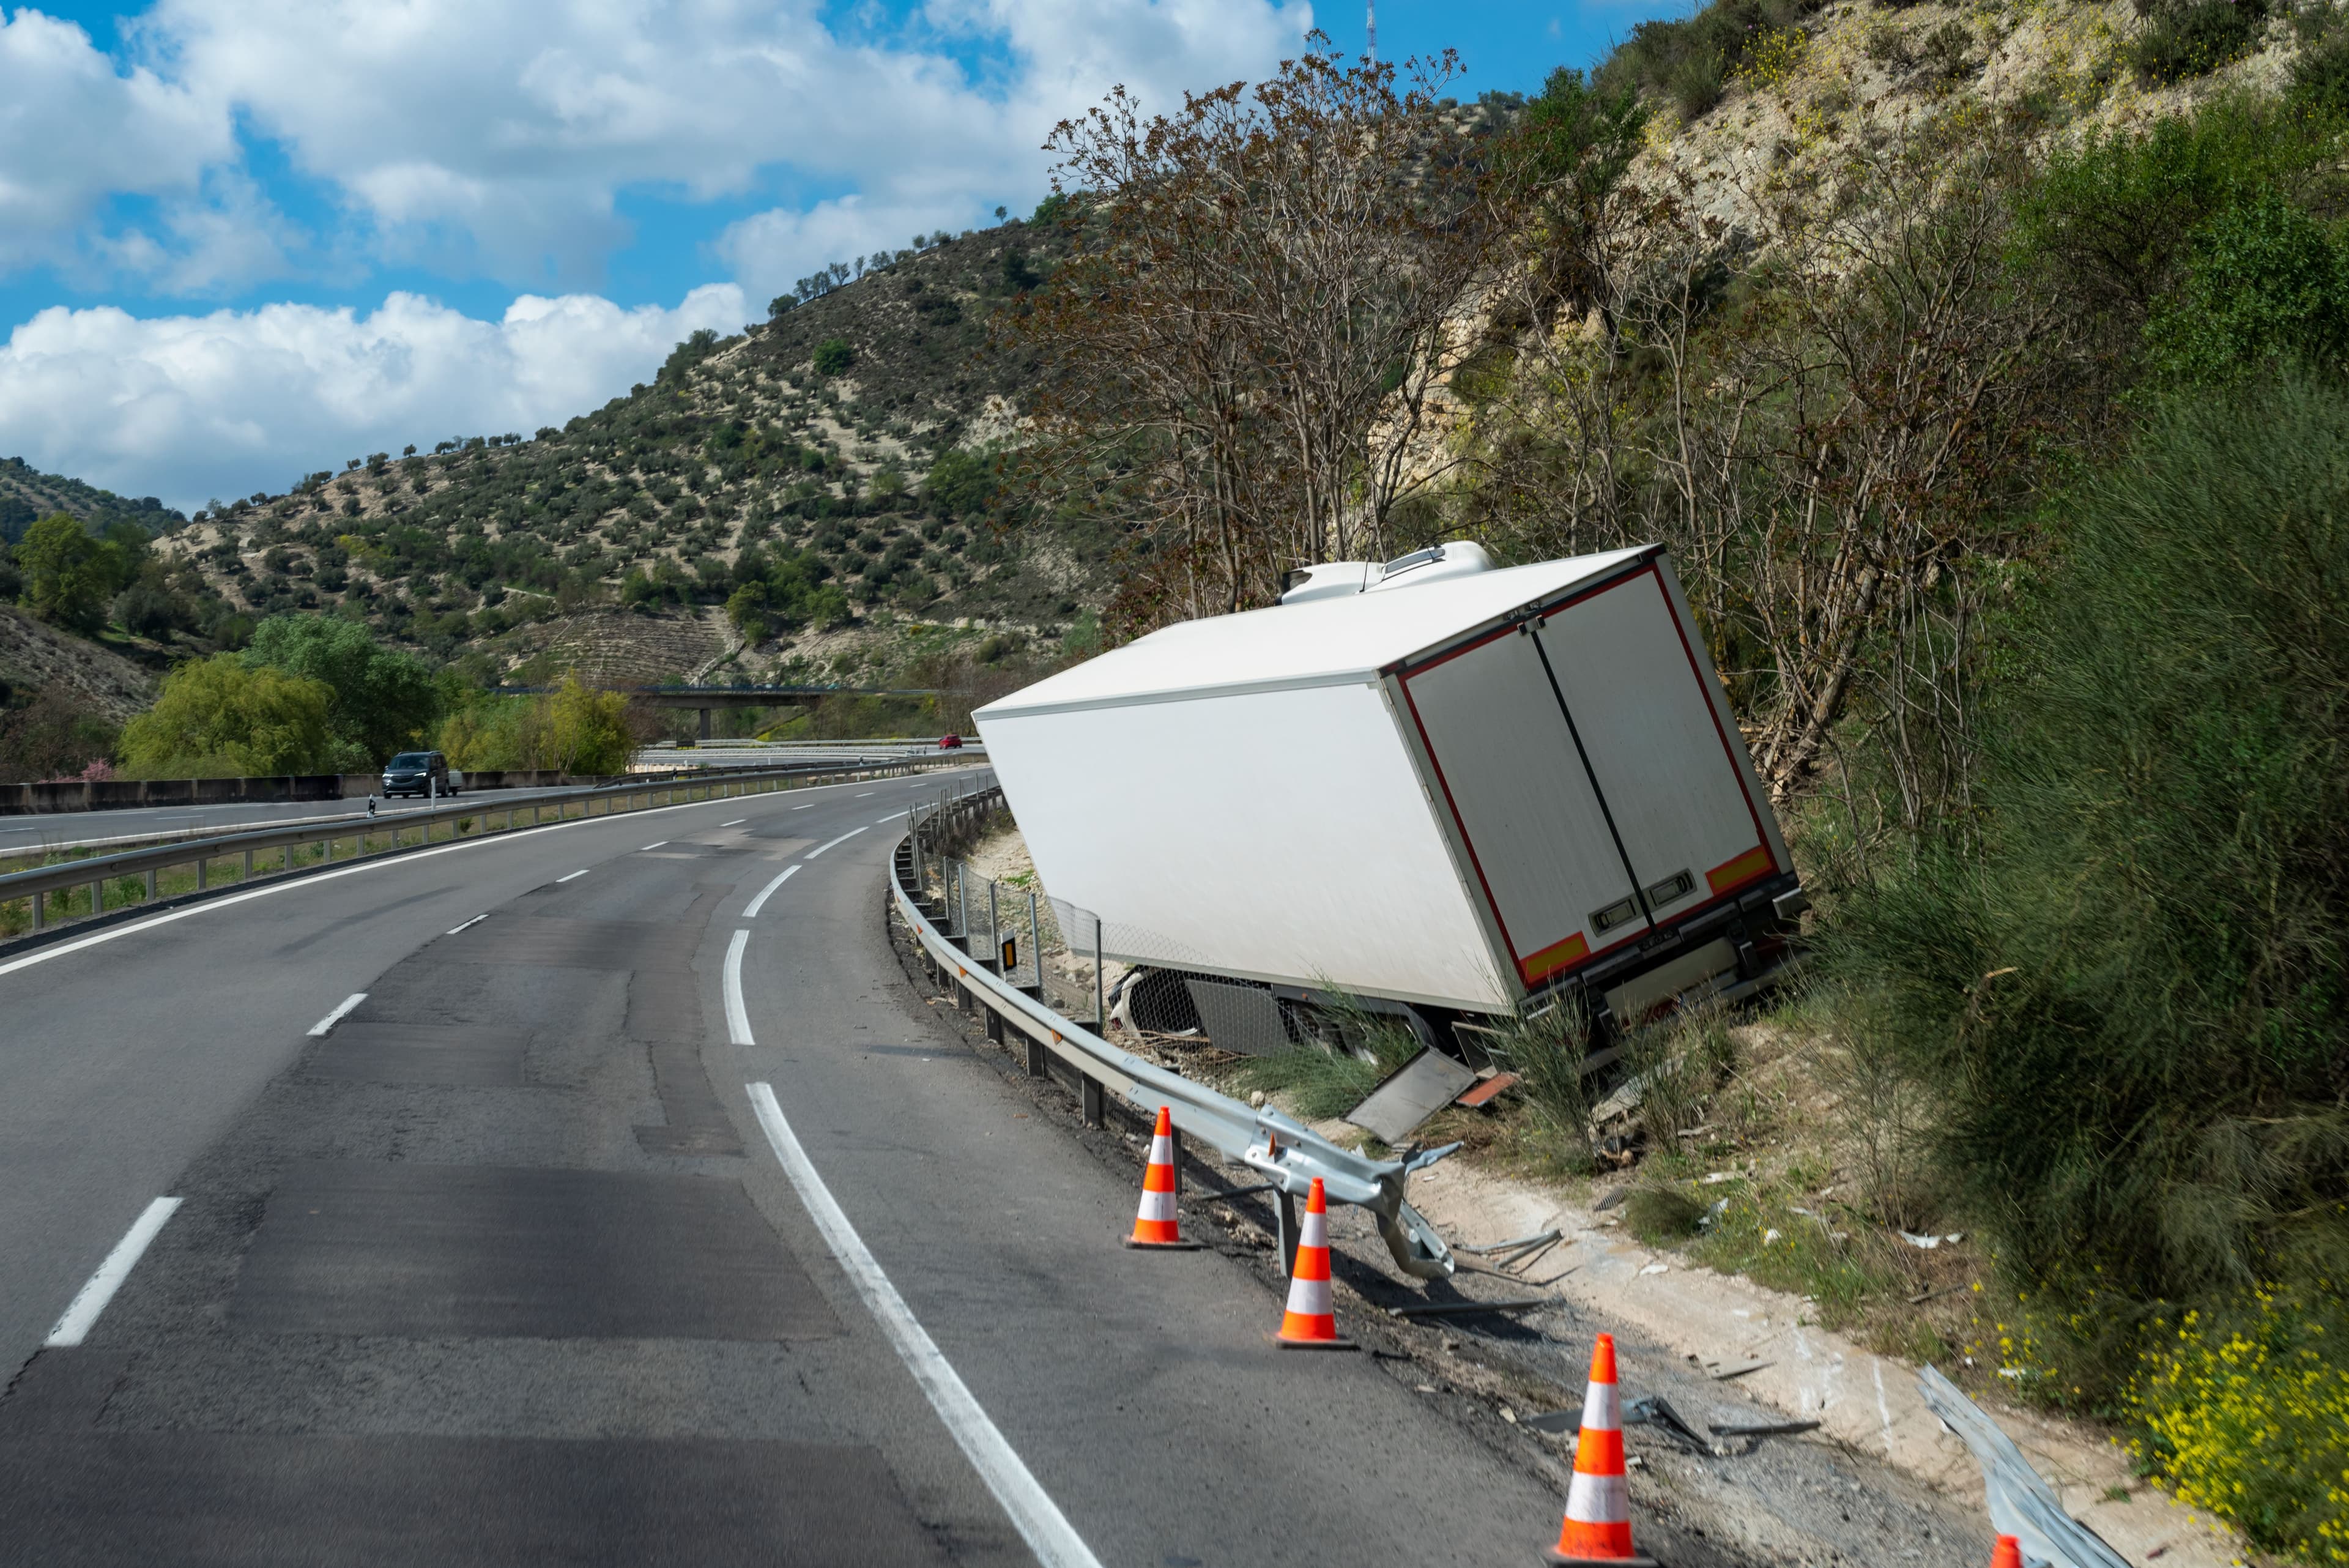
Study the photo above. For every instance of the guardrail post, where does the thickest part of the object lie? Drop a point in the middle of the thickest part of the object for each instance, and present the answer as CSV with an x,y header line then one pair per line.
x,y
1038,1059
248,866
994,1025
1284,1209
1091,1101
40,919
199,873
150,884
97,897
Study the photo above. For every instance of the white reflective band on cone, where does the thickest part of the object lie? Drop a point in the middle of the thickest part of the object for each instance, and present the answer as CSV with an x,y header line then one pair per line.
x,y
1158,1205
1309,1297
1599,1500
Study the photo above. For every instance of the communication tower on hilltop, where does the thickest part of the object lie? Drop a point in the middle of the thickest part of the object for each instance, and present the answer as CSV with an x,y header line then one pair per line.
x,y
1372,47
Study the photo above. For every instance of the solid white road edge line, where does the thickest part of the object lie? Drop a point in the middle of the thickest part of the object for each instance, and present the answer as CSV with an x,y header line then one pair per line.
x,y
81,1315
1038,1519
575,876
326,1025
469,925
760,902
738,1018
113,933
891,817
834,844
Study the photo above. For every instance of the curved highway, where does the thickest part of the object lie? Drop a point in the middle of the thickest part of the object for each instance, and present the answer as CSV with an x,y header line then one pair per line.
x,y
512,1262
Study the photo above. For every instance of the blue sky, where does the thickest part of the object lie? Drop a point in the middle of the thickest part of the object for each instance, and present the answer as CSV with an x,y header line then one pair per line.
x,y
243,239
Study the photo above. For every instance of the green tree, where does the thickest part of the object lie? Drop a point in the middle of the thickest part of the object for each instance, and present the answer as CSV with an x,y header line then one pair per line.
x,y
68,575
220,717
588,730
2268,281
833,356
382,701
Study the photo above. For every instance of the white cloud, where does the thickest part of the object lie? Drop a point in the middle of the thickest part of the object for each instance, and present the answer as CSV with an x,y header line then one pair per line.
x,y
501,132
74,133
190,406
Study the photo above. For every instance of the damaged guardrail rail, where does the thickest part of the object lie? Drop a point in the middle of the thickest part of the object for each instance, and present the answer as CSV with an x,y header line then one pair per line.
x,y
1284,1151
112,881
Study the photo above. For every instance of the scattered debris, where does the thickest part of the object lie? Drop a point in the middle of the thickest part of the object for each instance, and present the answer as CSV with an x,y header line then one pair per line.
x,y
1657,1269
1609,1198
1410,1095
1766,1429
1929,1242
1465,1309
1496,1247
1655,1410
1556,1423
1723,1371
1485,1093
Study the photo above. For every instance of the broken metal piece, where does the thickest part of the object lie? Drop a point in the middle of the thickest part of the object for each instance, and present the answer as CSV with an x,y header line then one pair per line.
x,y
1467,1309
1766,1429
1481,1095
1655,1410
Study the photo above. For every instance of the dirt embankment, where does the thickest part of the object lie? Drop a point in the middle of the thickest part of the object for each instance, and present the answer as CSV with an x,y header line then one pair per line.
x,y
35,657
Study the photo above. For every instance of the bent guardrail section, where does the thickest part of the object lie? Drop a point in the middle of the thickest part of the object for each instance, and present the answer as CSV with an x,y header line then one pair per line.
x,y
1288,1153
95,872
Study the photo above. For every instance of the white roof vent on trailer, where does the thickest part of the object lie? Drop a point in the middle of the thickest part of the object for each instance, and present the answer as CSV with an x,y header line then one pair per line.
x,y
1432,565
1342,579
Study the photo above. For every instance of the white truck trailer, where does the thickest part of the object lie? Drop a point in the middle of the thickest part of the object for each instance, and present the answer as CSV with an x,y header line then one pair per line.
x,y
1466,791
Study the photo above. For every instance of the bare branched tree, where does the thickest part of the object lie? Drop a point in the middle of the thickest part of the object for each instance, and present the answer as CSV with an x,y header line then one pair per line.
x,y
1241,352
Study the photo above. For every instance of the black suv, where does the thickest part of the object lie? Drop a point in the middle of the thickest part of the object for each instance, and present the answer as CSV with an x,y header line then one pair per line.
x,y
417,773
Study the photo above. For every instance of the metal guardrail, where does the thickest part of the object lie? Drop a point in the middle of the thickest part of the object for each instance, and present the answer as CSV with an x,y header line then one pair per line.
x,y
2022,1503
1288,1153
97,871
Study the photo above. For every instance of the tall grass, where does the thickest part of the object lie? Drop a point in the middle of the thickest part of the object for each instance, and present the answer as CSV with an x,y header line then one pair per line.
x,y
2125,995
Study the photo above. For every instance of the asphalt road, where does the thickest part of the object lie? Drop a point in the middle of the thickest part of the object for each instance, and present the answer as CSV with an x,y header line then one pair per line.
x,y
505,1266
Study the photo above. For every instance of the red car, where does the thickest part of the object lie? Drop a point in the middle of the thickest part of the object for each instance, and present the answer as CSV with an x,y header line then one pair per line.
x,y
950,743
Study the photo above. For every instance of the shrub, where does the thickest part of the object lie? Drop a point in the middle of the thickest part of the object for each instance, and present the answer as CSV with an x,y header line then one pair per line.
x,y
2246,1413
2126,997
2268,281
2195,39
833,356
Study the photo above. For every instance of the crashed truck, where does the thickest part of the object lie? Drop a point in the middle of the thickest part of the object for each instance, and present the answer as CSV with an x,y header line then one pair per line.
x,y
1428,788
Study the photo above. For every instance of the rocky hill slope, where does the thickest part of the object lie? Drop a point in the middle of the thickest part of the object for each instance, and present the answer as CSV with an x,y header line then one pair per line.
x,y
847,436
27,495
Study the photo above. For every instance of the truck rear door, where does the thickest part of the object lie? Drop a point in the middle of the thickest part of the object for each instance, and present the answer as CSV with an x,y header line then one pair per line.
x,y
1521,804
1680,793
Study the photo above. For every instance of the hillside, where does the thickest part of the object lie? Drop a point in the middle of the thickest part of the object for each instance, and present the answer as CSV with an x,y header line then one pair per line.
x,y
26,494
842,437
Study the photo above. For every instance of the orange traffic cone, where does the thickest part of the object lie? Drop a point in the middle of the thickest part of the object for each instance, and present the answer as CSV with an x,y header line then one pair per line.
x,y
1155,1225
1597,1529
1309,1323
2007,1553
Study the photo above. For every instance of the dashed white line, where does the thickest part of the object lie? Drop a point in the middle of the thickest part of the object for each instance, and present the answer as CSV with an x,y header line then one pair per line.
x,y
326,1025
808,807
81,1315
738,1018
736,822
760,902
834,844
575,876
469,925
868,794
1038,1519
660,844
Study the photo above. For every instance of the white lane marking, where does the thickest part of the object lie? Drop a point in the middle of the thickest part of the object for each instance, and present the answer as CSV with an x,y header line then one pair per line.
x,y
469,925
834,844
81,1316
115,933
808,807
1038,1519
868,794
738,1017
326,1025
891,817
656,844
573,876
736,822
760,902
